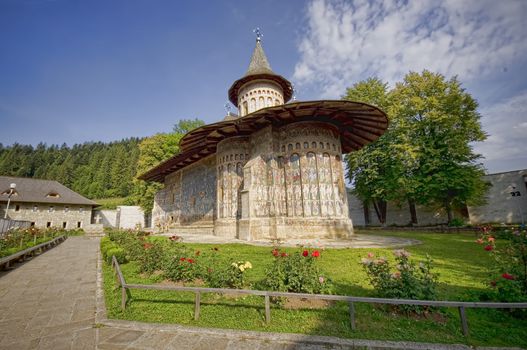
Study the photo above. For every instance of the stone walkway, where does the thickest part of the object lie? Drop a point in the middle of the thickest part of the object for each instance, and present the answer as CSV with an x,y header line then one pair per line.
x,y
54,301
357,241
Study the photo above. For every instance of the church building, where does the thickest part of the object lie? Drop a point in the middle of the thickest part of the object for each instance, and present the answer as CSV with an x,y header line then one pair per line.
x,y
272,172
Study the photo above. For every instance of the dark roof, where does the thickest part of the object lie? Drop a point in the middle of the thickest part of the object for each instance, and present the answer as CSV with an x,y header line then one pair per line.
x,y
40,191
358,124
259,68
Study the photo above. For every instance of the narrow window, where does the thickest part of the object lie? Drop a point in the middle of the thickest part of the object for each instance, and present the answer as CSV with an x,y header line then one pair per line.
x,y
297,146
322,145
48,224
314,145
32,224
64,224
66,209
35,208
51,209
306,144
17,207
79,224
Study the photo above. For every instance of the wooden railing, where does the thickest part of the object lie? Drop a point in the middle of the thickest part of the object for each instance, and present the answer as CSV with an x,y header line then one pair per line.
x,y
461,305
21,255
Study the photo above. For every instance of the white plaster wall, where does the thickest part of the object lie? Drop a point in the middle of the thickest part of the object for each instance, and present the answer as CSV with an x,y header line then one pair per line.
x,y
501,207
271,93
130,217
108,217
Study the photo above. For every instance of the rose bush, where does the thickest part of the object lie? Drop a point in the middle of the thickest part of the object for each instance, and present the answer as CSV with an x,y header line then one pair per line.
x,y
404,280
508,273
298,272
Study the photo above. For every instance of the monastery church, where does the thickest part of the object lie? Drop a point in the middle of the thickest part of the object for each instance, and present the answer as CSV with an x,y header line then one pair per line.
x,y
272,172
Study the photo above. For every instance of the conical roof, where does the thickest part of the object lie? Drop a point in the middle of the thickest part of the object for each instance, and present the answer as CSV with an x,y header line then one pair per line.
x,y
259,63
259,68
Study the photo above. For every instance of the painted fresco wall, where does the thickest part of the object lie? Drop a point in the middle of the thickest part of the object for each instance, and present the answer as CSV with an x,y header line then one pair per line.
x,y
188,198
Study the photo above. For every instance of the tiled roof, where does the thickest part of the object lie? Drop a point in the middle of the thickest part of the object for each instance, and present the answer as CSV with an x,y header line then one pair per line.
x,y
40,191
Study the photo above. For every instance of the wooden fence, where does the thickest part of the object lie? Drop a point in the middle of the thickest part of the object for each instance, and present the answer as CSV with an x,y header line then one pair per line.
x,y
21,255
7,224
461,305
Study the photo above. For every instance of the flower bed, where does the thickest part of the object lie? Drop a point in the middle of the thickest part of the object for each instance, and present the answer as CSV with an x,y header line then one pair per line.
x,y
17,240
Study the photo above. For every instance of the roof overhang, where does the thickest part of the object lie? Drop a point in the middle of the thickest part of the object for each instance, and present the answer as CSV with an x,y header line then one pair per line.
x,y
358,123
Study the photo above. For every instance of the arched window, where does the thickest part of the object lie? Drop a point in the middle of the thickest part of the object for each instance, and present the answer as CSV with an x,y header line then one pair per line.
x,y
321,144
269,102
244,108
306,144
253,105
290,147
297,146
261,102
313,145
276,103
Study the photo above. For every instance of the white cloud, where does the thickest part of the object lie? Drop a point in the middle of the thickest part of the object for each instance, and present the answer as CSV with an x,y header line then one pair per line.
x,y
505,122
349,41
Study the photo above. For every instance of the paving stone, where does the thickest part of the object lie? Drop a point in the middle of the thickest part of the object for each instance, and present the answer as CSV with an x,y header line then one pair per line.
x,y
125,337
185,341
154,340
84,339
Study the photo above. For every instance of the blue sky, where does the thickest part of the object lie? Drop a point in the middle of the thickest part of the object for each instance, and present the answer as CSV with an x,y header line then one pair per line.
x,y
74,71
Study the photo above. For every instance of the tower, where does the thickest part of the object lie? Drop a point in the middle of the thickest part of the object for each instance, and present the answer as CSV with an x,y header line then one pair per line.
x,y
260,87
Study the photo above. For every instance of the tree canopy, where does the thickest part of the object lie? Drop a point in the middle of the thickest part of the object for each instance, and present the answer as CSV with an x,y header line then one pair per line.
x,y
425,156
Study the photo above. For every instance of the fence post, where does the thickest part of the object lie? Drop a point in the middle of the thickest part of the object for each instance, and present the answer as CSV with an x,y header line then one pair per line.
x,y
352,314
464,323
267,309
197,306
123,297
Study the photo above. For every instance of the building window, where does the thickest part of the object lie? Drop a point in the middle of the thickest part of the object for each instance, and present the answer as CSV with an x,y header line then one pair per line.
x,y
32,224
35,208
81,209
64,224
66,209
48,224
17,207
313,145
53,195
79,224
51,209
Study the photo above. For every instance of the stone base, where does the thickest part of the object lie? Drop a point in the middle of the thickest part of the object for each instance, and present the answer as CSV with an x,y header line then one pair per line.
x,y
293,228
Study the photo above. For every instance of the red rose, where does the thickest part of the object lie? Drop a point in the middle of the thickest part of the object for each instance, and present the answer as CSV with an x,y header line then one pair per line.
x,y
182,259
488,248
305,253
283,255
275,252
315,254
508,277
190,261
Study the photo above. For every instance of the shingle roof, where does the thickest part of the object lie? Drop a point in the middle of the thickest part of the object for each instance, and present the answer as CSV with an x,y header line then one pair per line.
x,y
38,191
259,63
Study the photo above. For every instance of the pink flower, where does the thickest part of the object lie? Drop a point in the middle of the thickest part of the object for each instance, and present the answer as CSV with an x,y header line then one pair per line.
x,y
479,241
321,279
508,276
491,239
488,248
371,255
305,253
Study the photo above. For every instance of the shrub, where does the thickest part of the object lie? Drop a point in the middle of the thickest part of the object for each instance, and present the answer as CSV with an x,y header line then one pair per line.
x,y
404,281
509,271
297,273
181,269
228,275
119,254
152,257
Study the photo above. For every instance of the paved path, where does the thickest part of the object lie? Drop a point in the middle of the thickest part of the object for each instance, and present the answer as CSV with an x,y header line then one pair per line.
x,y
357,241
49,301
54,301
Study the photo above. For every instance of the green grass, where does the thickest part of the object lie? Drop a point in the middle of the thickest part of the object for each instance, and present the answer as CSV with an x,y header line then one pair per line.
x,y
112,203
458,260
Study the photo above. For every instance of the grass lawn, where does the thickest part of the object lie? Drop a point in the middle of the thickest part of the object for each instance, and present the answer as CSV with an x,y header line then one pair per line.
x,y
459,262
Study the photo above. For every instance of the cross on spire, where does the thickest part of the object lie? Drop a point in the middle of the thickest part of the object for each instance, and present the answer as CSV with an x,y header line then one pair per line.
x,y
258,33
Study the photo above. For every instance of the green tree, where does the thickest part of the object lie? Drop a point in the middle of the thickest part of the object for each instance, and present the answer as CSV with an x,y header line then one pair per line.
x,y
379,171
154,150
441,120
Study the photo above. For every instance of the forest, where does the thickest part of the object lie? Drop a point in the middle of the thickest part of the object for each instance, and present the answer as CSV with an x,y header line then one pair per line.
x,y
93,169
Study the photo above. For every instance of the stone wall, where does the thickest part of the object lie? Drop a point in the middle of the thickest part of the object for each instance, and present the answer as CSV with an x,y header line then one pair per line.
x,y
501,206
44,215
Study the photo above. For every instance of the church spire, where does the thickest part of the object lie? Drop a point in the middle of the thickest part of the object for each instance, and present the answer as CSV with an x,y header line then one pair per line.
x,y
260,87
